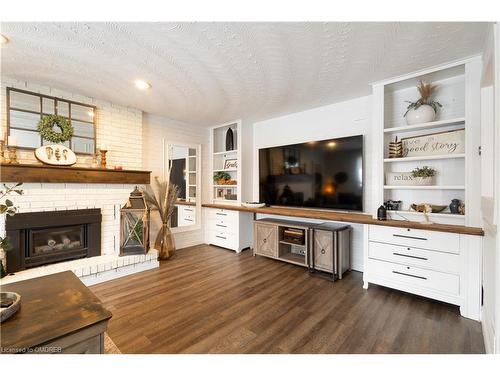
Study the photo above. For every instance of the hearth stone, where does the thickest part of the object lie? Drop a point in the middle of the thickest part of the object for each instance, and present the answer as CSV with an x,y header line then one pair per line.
x,y
40,238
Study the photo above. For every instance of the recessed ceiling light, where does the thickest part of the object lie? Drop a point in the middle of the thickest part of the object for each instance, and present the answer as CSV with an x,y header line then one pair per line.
x,y
3,39
142,85
331,144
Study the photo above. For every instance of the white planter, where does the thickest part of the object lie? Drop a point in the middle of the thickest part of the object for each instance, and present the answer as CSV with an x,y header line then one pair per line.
x,y
406,179
424,181
424,113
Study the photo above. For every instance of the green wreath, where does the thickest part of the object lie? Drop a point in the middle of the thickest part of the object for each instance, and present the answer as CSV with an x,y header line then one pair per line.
x,y
46,128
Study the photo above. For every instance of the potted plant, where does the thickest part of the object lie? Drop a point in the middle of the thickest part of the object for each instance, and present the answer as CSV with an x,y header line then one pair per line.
x,y
423,176
220,178
7,208
425,108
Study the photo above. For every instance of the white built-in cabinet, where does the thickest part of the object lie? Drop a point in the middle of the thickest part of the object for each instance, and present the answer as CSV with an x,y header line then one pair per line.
x,y
224,228
443,266
458,175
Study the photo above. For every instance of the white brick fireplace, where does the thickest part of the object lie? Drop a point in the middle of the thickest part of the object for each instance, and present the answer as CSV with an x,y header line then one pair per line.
x,y
109,198
120,128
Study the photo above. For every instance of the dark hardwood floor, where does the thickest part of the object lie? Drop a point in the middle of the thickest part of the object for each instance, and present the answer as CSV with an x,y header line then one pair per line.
x,y
211,300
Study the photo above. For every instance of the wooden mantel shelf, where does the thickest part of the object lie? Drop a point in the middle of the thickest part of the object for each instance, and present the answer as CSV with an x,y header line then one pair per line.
x,y
349,218
46,173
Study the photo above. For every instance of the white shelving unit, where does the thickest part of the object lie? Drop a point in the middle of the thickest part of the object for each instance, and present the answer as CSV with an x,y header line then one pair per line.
x,y
434,264
227,228
226,194
457,174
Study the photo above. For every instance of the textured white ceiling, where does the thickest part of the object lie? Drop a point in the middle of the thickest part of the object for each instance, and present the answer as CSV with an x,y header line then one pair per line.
x,y
208,73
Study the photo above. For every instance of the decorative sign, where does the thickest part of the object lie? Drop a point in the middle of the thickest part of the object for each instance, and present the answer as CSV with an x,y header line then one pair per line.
x,y
407,179
55,155
398,178
443,143
231,164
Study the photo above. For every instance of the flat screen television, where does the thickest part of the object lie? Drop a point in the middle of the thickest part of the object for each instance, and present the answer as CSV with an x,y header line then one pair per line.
x,y
321,174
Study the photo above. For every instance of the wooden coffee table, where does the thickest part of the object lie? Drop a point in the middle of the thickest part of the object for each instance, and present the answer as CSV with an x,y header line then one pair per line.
x,y
58,314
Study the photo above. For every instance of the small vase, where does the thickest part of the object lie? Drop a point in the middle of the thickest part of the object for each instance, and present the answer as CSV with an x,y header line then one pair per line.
x,y
454,206
382,213
424,113
229,140
164,243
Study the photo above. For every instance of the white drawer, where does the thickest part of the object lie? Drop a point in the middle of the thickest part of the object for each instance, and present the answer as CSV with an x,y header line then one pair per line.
x,y
187,213
439,261
423,239
222,239
414,276
187,209
230,226
186,221
222,214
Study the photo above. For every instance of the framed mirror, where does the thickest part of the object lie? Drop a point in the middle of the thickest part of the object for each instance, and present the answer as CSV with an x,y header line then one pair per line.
x,y
25,109
186,174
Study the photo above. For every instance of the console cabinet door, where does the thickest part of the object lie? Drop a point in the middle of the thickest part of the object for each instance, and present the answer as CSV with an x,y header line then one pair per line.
x,y
266,239
323,250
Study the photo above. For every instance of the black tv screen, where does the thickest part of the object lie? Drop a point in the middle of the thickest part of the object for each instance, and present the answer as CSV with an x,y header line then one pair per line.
x,y
323,174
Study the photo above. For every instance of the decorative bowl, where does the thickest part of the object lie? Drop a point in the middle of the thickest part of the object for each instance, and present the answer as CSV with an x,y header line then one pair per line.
x,y
253,205
435,208
438,207
7,312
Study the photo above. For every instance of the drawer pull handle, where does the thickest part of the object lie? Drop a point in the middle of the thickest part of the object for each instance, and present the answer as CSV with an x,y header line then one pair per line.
x,y
409,256
220,214
411,237
407,274
220,225
188,219
224,238
188,209
323,251
264,240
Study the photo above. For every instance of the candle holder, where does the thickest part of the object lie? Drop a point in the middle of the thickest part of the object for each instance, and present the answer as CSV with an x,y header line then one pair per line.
x,y
13,155
2,151
103,158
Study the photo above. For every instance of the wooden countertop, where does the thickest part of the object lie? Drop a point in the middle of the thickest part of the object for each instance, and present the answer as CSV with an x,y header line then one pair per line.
x,y
349,218
51,307
186,203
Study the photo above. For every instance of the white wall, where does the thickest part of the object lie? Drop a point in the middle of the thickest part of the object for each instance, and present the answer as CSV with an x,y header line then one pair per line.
x,y
490,192
342,119
155,131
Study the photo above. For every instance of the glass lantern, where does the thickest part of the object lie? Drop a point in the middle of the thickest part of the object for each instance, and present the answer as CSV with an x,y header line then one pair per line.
x,y
134,222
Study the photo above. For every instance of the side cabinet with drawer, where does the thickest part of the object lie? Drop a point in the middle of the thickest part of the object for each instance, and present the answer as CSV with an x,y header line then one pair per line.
x,y
186,215
438,265
228,229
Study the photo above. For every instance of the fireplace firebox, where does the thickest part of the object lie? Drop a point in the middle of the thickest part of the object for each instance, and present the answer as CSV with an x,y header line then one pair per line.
x,y
40,238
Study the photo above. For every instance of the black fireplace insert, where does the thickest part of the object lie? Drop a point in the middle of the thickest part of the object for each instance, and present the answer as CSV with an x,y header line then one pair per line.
x,y
40,238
